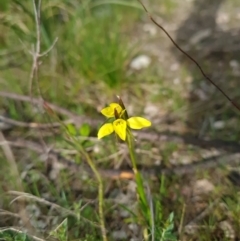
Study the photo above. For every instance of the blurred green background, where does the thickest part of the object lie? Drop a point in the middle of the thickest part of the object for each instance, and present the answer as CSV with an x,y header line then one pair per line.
x,y
90,63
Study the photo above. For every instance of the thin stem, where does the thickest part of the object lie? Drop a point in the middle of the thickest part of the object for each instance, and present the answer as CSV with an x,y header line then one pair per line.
x,y
37,49
132,154
96,173
139,181
100,193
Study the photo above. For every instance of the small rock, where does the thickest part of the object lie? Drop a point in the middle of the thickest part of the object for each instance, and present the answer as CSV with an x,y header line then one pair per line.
x,y
234,63
122,198
124,213
176,81
96,149
222,18
40,224
228,230
151,110
140,62
203,186
199,36
133,227
118,235
34,210
191,229
150,28
174,67
201,94
219,125
132,187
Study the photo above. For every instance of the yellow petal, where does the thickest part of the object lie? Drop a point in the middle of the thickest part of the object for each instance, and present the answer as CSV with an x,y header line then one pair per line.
x,y
105,130
109,111
138,122
120,127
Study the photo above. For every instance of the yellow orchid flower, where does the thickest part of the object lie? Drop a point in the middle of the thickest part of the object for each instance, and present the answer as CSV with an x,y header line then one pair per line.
x,y
110,110
120,125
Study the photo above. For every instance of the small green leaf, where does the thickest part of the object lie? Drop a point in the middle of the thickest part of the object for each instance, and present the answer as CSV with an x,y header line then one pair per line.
x,y
171,217
169,236
71,129
84,130
170,227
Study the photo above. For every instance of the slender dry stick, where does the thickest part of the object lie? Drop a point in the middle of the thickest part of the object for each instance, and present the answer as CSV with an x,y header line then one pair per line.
x,y
36,52
146,135
191,58
49,49
18,182
37,49
180,228
35,56
38,101
21,232
62,210
10,122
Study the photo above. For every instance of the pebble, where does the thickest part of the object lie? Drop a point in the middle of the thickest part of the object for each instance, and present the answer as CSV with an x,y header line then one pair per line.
x,y
118,235
219,125
203,186
140,62
150,28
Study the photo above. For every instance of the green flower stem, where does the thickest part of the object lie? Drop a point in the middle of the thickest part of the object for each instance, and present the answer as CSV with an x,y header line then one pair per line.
x,y
144,207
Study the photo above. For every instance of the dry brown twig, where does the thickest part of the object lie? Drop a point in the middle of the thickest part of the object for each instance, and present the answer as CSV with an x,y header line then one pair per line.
x,y
33,125
14,173
202,71
16,230
64,211
205,163
144,135
36,55
73,118
36,52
